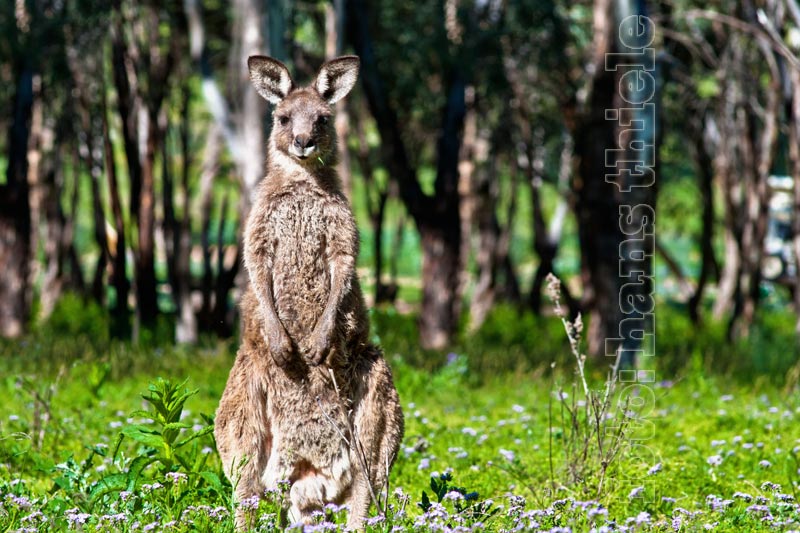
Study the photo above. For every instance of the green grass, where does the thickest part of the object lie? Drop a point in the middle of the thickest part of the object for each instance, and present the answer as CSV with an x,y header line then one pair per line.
x,y
484,421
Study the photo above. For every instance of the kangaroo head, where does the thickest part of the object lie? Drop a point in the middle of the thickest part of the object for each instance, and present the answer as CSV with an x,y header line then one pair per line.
x,y
302,125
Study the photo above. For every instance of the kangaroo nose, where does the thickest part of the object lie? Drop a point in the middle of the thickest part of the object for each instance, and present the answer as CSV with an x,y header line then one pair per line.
x,y
303,141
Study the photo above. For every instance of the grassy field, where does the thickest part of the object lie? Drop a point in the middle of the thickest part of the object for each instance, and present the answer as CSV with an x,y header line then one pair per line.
x,y
491,440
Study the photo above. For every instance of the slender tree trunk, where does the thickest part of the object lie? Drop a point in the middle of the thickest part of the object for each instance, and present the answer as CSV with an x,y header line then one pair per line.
x,y
186,327
76,268
748,136
146,295
547,239
467,185
35,154
249,40
119,277
15,222
52,280
54,226
487,255
128,109
101,237
334,47
764,146
794,159
703,162
493,241
508,284
223,324
724,160
396,251
209,169
545,250
376,198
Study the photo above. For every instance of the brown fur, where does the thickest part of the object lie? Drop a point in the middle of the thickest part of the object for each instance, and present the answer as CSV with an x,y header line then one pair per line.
x,y
305,330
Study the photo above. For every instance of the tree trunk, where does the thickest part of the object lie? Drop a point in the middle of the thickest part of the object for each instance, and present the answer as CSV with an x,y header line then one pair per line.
x,y
209,169
153,70
249,40
35,154
376,198
794,159
226,276
487,254
615,192
120,326
705,170
440,260
493,241
748,141
54,245
597,211
186,326
334,47
145,274
436,217
15,222
507,283
764,146
128,108
441,234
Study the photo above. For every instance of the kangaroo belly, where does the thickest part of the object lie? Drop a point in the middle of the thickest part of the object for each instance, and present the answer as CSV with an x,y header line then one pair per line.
x,y
309,451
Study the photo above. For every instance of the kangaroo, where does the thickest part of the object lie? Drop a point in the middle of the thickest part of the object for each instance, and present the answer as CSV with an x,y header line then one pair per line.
x,y
309,399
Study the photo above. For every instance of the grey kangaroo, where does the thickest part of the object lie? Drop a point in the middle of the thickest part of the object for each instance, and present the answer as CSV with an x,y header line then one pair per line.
x,y
309,399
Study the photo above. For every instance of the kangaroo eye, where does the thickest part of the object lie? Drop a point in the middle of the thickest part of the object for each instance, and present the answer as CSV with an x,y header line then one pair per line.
x,y
284,120
323,119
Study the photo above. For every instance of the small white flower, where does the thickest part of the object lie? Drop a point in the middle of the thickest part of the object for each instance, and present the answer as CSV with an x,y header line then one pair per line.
x,y
454,495
508,454
635,493
655,469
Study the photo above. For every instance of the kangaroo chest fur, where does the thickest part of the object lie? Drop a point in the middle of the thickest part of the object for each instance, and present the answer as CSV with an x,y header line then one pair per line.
x,y
302,229
307,227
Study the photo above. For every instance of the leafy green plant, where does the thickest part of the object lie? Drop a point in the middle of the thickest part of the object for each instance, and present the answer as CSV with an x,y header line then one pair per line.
x,y
465,503
165,441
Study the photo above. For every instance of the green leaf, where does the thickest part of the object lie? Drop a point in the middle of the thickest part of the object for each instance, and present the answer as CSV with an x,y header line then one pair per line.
x,y
136,468
176,425
200,433
144,435
110,483
213,481
425,504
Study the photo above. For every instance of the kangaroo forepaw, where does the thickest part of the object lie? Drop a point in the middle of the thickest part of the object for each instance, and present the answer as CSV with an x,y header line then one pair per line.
x,y
281,348
316,350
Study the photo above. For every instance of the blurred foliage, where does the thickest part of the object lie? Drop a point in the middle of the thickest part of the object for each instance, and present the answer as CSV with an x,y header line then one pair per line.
x,y
511,341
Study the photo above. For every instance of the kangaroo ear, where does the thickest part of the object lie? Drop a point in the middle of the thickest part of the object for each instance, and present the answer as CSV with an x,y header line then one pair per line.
x,y
270,77
337,77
